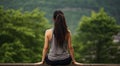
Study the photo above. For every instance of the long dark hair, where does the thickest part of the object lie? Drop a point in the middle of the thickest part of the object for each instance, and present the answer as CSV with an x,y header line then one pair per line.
x,y
60,27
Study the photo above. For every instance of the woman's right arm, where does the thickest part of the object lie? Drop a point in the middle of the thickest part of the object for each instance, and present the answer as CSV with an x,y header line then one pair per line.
x,y
71,50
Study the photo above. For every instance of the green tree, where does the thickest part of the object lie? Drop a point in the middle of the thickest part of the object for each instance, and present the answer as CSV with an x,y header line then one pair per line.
x,y
94,39
21,35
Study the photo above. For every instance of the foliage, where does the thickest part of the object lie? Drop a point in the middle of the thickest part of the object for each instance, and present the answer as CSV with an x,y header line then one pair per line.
x,y
22,31
73,9
21,35
94,39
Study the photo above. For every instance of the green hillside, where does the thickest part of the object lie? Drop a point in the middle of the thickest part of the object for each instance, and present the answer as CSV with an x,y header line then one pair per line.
x,y
73,9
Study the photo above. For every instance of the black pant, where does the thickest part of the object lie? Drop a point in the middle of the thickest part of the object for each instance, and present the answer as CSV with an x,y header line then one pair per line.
x,y
58,62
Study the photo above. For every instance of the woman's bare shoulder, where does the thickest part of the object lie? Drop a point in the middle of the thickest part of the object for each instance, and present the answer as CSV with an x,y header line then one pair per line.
x,y
48,30
69,32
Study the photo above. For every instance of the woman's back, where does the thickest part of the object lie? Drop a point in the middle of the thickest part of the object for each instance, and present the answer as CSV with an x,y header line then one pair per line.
x,y
56,52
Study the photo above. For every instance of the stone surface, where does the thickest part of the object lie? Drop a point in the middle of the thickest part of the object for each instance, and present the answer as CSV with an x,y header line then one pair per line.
x,y
37,64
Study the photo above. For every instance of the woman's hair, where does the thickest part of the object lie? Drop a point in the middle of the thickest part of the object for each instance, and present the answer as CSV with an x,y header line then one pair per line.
x,y
60,27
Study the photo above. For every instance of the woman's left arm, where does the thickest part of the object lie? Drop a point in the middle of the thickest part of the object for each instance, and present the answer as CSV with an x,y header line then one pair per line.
x,y
45,49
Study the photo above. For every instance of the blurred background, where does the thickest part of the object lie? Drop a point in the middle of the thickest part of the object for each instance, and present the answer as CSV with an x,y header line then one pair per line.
x,y
95,27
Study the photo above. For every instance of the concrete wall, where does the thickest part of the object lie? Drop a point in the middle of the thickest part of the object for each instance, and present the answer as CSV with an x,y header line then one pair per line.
x,y
37,64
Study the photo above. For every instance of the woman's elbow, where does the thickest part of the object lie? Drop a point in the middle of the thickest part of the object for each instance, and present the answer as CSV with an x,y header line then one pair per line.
x,y
45,48
70,48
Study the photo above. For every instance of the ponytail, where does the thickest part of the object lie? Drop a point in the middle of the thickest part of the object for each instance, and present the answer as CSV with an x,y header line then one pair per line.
x,y
60,28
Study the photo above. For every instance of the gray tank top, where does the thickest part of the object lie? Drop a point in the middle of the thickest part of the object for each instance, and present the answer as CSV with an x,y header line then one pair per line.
x,y
56,52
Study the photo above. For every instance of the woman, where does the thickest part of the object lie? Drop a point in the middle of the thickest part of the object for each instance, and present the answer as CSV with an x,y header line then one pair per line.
x,y
59,40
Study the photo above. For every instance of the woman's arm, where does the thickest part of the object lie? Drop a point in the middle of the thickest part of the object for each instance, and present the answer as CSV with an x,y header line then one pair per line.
x,y
45,49
71,50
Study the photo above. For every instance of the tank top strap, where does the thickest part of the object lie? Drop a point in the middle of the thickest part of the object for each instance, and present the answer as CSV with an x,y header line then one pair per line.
x,y
52,33
52,36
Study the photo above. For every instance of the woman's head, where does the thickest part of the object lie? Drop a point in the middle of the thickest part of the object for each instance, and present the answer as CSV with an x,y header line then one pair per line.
x,y
56,13
60,27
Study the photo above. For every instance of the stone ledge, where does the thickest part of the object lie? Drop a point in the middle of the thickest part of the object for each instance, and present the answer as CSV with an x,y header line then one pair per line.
x,y
37,64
